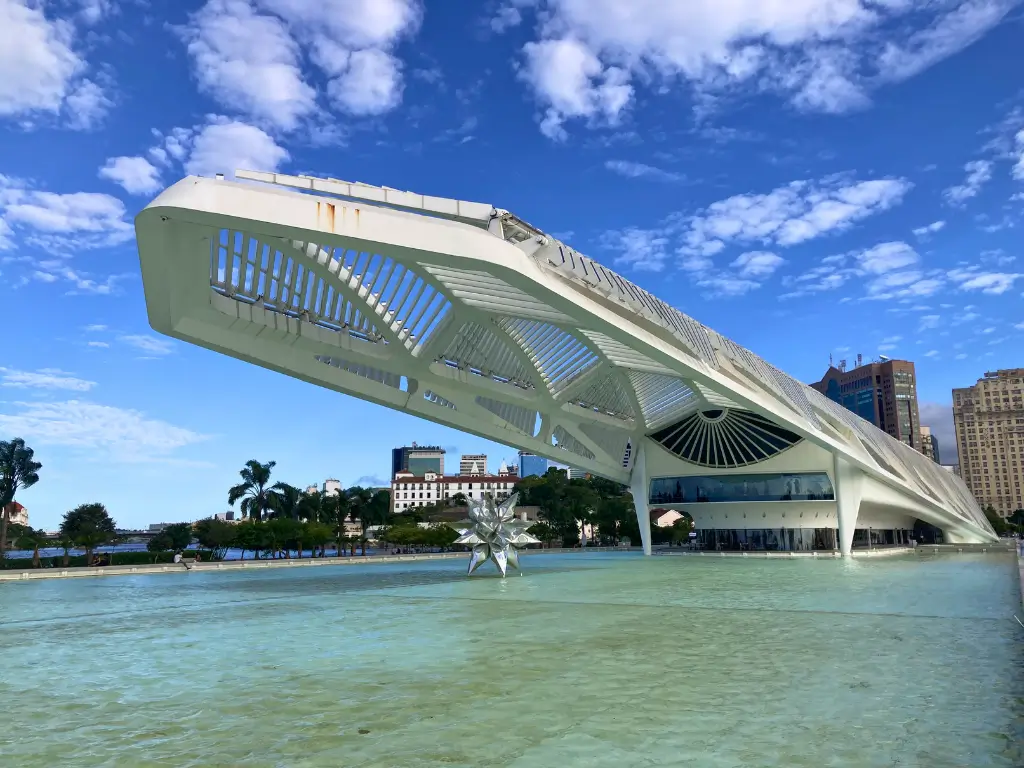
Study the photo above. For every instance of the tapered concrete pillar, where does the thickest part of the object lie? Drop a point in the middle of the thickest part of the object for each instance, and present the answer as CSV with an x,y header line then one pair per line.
x,y
639,486
849,482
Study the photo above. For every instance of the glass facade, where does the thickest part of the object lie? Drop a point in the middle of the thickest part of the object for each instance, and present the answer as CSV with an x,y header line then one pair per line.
x,y
795,539
792,486
530,464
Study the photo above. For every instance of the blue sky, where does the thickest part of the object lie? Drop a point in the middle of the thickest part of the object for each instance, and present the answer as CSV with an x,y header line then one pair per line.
x,y
810,177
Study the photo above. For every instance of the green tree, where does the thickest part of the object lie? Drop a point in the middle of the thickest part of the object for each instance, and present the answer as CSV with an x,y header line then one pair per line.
x,y
1017,518
218,536
995,519
254,490
30,538
161,542
89,526
18,470
284,533
318,535
180,535
315,507
250,536
338,512
285,500
543,531
459,500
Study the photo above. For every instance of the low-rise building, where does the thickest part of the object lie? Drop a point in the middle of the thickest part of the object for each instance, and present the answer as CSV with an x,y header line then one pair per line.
x,y
430,489
18,514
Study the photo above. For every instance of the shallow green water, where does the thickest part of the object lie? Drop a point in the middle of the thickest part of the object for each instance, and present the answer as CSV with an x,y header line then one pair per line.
x,y
587,660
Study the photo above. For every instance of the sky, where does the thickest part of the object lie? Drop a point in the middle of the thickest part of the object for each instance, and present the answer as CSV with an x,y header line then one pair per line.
x,y
809,178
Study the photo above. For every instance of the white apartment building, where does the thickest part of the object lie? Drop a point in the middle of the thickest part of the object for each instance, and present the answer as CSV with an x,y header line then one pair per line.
x,y
409,490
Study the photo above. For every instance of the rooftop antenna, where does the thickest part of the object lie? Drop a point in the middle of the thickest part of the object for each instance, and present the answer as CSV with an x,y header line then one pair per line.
x,y
842,366
860,359
829,359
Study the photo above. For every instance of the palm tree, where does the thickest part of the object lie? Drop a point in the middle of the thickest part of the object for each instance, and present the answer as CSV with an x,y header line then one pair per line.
x,y
359,502
315,507
340,509
66,543
285,501
18,470
254,490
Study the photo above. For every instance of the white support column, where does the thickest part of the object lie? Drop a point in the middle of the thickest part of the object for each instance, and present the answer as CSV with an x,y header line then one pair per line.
x,y
639,486
849,482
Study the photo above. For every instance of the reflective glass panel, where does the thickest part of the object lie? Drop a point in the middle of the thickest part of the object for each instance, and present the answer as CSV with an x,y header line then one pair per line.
x,y
794,486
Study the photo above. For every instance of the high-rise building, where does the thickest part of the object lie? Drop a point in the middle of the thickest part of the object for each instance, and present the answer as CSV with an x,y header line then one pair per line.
x,y
531,464
473,464
929,444
989,423
883,392
577,474
418,459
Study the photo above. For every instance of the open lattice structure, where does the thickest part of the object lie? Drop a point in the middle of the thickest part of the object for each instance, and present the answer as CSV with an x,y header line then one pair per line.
x,y
466,315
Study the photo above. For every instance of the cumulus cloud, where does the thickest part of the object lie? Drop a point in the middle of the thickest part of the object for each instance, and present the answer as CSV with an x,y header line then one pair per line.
x,y
249,62
75,220
224,147
41,70
976,279
135,175
792,214
641,249
249,55
823,55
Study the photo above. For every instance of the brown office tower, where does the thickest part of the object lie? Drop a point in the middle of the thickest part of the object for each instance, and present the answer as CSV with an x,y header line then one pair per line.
x,y
884,393
989,421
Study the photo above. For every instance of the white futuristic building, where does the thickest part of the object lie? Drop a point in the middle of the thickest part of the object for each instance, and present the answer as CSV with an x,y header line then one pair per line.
x,y
463,314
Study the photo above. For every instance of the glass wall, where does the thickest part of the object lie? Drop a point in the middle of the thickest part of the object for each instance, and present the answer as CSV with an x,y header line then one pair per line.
x,y
793,539
794,486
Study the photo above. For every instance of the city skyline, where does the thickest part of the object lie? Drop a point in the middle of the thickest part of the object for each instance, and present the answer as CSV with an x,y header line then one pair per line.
x,y
749,200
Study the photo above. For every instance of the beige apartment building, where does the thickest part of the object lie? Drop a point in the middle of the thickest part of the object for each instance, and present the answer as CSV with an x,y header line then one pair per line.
x,y
989,423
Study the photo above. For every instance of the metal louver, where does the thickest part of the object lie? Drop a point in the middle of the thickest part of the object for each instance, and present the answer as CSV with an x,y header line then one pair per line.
x,y
725,437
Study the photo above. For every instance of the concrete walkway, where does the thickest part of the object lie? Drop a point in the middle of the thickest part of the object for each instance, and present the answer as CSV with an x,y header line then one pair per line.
x,y
238,565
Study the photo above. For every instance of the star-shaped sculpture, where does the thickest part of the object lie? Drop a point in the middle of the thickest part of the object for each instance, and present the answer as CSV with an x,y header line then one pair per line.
x,y
494,533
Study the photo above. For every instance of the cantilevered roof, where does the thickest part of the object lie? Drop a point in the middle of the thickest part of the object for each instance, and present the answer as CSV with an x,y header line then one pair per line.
x,y
467,315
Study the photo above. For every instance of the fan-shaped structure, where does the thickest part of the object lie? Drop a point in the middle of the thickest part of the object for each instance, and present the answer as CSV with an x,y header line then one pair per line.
x,y
466,315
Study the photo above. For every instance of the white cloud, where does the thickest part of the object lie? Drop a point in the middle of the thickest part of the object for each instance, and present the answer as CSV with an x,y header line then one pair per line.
x,y
932,353
928,321
727,285
640,249
226,146
100,344
824,55
569,78
794,213
640,171
371,84
153,345
75,220
989,330
249,62
125,434
46,378
249,55
136,175
1019,326
929,229
886,257
509,15
979,172
973,279
40,70
352,41
56,270
754,264
94,328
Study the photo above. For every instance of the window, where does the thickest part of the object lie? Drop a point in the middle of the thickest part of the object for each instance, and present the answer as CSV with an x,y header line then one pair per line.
x,y
799,486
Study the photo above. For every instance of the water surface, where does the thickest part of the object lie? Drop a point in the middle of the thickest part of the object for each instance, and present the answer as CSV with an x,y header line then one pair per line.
x,y
587,660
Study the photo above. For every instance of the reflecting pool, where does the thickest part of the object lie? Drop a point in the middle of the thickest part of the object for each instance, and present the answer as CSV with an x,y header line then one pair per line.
x,y
588,660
